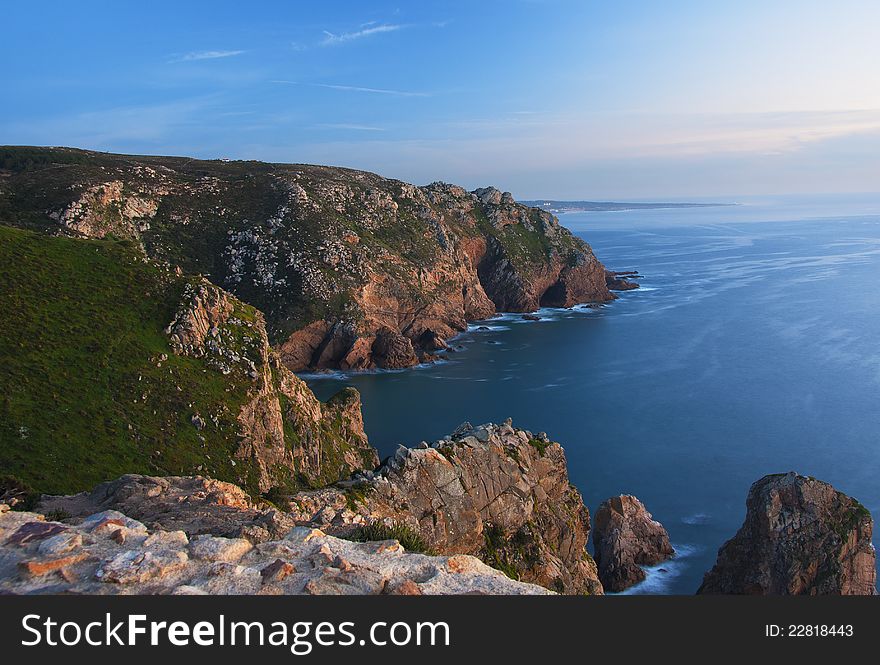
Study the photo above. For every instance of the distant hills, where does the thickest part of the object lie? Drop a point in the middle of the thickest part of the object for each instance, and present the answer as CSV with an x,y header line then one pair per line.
x,y
599,206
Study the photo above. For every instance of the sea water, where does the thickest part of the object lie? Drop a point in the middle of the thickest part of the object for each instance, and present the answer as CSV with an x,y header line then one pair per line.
x,y
753,347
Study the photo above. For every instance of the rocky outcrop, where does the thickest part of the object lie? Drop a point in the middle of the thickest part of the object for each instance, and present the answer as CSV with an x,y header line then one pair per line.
x,y
392,350
493,491
800,537
196,325
622,281
351,270
111,553
192,504
288,438
625,538
108,209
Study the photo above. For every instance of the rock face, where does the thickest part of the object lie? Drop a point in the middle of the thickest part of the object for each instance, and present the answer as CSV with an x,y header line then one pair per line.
x,y
351,270
110,553
626,537
287,436
800,536
493,491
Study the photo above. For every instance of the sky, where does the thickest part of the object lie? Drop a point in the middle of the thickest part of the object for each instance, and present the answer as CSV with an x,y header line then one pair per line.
x,y
547,99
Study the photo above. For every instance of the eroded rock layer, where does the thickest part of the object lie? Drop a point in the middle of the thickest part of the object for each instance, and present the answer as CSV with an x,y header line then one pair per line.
x,y
289,437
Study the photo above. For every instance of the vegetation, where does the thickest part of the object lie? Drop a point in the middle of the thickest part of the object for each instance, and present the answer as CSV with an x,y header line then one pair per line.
x,y
509,553
211,210
355,496
89,387
406,536
539,445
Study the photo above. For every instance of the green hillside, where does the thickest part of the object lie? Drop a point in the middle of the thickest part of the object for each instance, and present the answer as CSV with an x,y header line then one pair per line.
x,y
89,387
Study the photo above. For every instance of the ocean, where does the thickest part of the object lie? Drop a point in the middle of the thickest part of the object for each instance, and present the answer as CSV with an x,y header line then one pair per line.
x,y
751,348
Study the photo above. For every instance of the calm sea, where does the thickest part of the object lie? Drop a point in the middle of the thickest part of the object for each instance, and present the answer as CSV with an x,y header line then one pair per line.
x,y
753,347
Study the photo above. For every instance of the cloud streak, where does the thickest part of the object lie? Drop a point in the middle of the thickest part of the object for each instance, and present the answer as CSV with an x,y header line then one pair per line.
x,y
356,88
354,127
206,55
333,39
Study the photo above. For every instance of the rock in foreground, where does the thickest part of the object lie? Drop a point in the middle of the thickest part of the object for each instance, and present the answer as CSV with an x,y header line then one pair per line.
x,y
626,538
800,537
494,491
110,553
192,504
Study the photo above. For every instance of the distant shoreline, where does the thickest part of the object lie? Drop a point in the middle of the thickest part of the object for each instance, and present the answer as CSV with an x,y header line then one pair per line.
x,y
560,207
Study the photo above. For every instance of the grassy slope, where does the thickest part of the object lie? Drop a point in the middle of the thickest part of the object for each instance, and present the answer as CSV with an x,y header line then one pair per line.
x,y
84,394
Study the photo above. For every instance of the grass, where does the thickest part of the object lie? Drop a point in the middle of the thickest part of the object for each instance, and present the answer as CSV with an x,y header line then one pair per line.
x,y
496,551
85,394
540,446
405,535
355,496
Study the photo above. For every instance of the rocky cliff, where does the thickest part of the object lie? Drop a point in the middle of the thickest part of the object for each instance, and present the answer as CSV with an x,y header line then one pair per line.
x,y
351,270
289,436
800,536
493,491
114,363
625,538
108,552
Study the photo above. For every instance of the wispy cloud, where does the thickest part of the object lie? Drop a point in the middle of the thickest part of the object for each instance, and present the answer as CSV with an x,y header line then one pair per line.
x,y
366,30
205,55
356,88
354,127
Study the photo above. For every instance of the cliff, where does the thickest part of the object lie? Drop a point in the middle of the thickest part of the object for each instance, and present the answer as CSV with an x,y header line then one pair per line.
x,y
110,553
496,492
493,492
351,270
114,363
800,537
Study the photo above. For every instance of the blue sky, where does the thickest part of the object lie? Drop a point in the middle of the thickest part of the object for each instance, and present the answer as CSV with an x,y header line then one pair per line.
x,y
554,99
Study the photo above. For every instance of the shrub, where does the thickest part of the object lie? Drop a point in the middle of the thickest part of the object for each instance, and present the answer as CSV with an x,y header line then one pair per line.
x,y
411,540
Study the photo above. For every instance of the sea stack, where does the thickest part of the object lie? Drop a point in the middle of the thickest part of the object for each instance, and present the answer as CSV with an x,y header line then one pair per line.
x,y
626,538
800,537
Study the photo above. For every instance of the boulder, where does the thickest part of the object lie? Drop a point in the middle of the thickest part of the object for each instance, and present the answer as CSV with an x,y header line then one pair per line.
x,y
392,350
